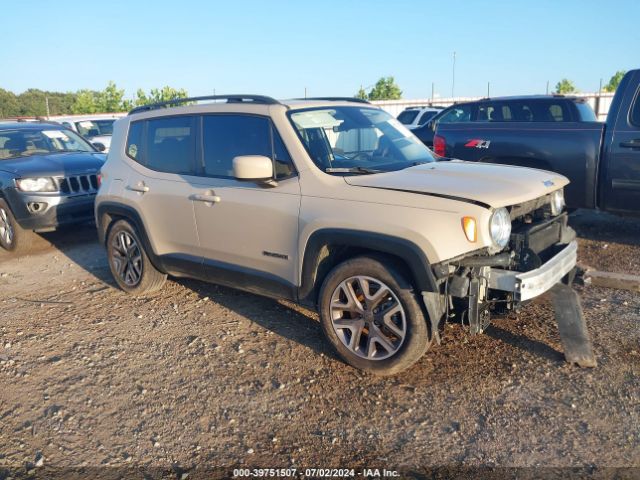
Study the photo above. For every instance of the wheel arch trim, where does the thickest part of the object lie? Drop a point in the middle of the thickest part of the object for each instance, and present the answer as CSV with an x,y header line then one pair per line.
x,y
414,257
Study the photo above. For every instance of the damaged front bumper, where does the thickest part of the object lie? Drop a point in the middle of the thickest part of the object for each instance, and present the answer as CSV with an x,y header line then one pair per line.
x,y
528,285
542,258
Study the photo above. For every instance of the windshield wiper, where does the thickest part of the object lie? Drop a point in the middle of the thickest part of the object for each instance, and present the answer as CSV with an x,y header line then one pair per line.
x,y
360,170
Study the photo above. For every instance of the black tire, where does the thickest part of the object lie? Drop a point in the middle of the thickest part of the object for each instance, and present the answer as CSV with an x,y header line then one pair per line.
x,y
131,261
416,332
18,240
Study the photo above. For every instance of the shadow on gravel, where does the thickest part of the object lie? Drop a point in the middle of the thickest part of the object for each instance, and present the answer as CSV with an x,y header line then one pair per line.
x,y
525,343
604,227
80,245
281,319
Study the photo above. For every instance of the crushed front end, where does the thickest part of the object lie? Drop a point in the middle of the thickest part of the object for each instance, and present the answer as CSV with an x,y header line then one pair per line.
x,y
540,257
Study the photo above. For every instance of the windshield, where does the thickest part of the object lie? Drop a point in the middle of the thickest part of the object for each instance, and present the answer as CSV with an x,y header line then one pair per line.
x,y
358,140
93,128
22,143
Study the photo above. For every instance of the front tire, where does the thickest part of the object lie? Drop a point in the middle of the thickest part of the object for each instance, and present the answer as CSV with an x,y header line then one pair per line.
x,y
371,316
13,237
129,263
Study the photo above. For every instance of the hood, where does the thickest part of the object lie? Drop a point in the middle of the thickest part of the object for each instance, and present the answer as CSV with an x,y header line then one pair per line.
x,y
55,164
483,183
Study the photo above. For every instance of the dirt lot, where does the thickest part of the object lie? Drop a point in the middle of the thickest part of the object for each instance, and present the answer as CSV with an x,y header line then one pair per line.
x,y
200,379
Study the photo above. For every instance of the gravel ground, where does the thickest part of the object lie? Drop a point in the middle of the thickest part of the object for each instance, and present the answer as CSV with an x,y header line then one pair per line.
x,y
199,379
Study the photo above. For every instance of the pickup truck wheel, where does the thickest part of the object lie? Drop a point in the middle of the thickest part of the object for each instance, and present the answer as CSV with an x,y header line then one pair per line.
x,y
13,237
371,316
130,266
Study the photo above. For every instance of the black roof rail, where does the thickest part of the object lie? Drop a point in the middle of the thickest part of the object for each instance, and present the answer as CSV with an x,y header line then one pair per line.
x,y
337,99
261,99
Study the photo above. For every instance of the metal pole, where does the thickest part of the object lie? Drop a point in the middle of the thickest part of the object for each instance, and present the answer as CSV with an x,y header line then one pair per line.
x,y
305,92
46,101
547,87
433,86
453,78
488,89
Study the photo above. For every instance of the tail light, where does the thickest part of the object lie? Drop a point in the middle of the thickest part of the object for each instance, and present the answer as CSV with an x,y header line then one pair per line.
x,y
99,178
439,145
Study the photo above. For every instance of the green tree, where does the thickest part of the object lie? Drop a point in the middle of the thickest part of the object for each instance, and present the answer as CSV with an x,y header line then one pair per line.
x,y
565,86
32,102
8,104
362,93
614,81
110,99
385,89
157,95
85,102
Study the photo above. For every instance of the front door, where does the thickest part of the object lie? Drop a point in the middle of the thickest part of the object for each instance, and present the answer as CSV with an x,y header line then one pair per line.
x,y
248,232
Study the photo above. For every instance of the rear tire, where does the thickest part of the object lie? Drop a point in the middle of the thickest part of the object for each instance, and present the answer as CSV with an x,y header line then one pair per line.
x,y
129,263
371,316
13,237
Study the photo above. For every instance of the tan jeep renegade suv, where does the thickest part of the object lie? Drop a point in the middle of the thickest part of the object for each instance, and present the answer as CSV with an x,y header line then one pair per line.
x,y
333,204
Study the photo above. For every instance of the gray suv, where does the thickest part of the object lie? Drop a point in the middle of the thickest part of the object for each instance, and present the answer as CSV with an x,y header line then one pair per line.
x,y
334,204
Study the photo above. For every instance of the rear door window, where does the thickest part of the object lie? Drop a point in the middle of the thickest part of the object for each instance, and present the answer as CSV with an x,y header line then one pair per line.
x,y
494,112
170,144
456,114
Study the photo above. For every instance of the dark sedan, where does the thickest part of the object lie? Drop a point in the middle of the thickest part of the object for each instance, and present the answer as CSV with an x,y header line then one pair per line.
x,y
48,178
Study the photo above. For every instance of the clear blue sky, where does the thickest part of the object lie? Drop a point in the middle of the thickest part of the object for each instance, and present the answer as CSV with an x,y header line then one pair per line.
x,y
330,47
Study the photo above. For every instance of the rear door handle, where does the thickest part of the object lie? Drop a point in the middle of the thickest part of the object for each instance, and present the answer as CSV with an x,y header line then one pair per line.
x,y
206,198
632,144
140,188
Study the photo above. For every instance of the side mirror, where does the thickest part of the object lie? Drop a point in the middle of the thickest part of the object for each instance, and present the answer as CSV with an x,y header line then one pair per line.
x,y
99,146
253,168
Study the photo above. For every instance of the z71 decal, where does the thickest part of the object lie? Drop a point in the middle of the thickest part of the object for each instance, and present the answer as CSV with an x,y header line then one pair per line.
x,y
478,143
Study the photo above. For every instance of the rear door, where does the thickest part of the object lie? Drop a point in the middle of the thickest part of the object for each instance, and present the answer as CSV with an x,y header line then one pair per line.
x,y
620,190
160,187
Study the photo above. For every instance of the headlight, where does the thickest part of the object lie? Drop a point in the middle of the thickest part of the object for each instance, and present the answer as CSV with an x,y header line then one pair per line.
x,y
40,184
557,202
500,227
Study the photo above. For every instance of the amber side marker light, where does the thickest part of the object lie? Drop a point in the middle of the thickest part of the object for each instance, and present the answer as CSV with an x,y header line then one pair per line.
x,y
469,227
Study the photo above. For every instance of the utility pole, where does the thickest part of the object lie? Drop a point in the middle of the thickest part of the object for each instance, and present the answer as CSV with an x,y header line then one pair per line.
x,y
453,78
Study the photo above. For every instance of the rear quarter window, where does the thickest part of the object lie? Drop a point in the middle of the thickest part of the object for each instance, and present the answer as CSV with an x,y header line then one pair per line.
x,y
585,112
134,148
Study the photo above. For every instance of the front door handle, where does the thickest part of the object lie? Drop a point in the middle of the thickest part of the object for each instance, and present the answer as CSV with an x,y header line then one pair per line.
x,y
206,198
632,144
140,188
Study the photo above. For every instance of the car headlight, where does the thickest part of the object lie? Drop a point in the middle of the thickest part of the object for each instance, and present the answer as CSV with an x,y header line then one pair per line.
x,y
39,184
500,227
557,202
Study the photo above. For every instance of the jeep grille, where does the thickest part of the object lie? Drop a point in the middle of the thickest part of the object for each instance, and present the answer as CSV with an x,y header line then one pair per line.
x,y
78,184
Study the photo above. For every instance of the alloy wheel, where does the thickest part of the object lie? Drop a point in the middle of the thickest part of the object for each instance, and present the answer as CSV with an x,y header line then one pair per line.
x,y
6,230
127,258
368,318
